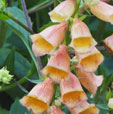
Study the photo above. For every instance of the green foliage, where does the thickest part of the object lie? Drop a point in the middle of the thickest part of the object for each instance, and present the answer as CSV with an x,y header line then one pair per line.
x,y
3,111
17,108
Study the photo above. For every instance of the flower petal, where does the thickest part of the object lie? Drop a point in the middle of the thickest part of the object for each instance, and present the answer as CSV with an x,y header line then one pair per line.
x,y
63,11
108,42
58,65
103,11
82,40
90,61
89,78
39,97
47,40
71,91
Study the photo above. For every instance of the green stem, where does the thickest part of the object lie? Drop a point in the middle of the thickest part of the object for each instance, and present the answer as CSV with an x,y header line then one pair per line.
x,y
55,3
3,30
55,89
77,4
38,8
21,81
33,58
18,22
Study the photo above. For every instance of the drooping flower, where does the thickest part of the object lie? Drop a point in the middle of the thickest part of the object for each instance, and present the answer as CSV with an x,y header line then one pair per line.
x,y
82,40
56,110
103,11
90,61
47,40
5,77
84,108
71,91
110,103
39,97
58,65
89,80
63,11
108,42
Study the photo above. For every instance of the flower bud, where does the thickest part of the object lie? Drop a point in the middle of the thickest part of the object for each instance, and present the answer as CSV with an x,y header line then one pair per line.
x,y
5,77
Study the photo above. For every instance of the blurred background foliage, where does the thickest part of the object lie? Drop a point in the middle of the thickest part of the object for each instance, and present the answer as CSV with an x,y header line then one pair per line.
x,y
16,54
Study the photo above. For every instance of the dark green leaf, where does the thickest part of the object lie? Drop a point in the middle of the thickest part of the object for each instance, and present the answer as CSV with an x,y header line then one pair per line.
x,y
17,108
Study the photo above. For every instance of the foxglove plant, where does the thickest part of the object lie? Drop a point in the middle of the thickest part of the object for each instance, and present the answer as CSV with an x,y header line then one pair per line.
x,y
52,41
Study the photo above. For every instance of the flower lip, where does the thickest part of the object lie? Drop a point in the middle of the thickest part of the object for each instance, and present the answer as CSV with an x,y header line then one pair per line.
x,y
37,105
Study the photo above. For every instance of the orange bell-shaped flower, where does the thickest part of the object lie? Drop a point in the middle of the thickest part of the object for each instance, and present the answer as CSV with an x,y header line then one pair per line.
x,y
71,91
103,11
82,40
39,97
90,61
84,108
58,65
47,40
63,11
89,78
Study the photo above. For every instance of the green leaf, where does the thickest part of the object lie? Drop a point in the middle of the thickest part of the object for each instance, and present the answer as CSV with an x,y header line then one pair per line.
x,y
3,111
21,32
9,62
17,108
102,106
20,68
33,81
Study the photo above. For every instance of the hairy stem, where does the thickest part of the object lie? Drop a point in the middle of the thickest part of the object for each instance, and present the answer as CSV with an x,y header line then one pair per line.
x,y
26,14
18,22
30,27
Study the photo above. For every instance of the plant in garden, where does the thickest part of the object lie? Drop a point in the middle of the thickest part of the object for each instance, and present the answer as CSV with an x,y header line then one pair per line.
x,y
63,59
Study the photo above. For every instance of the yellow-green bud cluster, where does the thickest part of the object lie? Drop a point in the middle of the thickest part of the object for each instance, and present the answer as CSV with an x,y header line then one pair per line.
x,y
5,77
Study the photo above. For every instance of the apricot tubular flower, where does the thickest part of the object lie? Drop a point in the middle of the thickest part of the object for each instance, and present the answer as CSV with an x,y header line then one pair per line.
x,y
47,40
39,97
